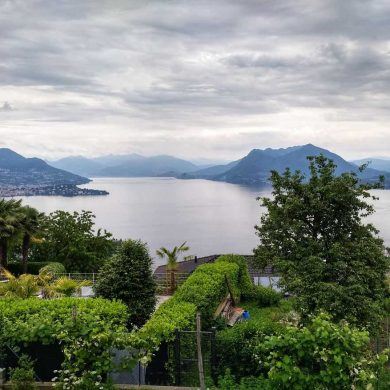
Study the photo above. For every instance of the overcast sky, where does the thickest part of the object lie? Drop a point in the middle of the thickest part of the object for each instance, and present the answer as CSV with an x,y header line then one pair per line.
x,y
209,79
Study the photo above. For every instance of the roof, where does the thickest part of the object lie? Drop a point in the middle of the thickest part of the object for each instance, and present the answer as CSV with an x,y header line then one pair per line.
x,y
189,266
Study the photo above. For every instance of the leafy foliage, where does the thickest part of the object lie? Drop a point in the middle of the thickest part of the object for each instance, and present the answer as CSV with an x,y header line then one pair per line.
x,y
86,329
52,269
202,291
70,239
127,276
314,234
322,355
172,255
23,377
263,296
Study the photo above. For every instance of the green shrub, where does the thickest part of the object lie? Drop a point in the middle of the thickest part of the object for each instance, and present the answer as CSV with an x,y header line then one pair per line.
x,y
32,267
127,276
207,287
228,382
53,269
236,346
86,329
323,355
23,376
263,296
244,279
202,291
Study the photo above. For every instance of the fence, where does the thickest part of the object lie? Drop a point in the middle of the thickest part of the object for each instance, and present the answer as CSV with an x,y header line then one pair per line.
x,y
167,282
91,277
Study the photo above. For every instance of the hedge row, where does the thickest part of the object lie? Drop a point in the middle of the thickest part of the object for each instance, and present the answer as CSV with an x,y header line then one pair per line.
x,y
202,291
32,267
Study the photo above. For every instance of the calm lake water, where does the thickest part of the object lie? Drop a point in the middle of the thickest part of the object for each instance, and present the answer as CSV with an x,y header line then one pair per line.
x,y
212,217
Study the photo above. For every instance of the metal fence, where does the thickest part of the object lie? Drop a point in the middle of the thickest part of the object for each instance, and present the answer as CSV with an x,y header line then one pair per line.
x,y
91,277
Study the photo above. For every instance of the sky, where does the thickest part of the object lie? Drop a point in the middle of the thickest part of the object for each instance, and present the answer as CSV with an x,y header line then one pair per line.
x,y
211,79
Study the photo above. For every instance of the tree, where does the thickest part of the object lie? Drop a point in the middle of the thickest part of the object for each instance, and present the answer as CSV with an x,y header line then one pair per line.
x,y
313,232
128,276
172,258
31,224
322,355
10,217
71,239
173,255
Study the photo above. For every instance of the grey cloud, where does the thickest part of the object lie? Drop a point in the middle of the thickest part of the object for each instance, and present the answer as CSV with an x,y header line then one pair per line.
x,y
155,70
6,107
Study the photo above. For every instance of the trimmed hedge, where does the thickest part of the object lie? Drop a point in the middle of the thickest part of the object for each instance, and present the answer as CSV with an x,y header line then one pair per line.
x,y
202,291
32,267
263,296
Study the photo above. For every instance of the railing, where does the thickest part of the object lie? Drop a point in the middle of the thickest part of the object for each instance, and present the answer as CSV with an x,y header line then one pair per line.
x,y
79,276
167,282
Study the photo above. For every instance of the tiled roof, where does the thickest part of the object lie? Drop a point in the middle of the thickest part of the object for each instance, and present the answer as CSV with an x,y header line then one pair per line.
x,y
189,266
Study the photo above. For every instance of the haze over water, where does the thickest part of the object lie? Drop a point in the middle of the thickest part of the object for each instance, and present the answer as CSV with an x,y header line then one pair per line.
x,y
212,217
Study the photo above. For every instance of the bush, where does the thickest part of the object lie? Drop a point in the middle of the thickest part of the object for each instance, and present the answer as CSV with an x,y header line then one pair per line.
x,y
236,346
322,355
202,291
33,268
86,329
53,269
244,279
127,276
23,376
263,296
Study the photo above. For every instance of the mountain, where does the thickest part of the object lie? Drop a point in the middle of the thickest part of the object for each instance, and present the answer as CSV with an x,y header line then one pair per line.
x,y
78,165
90,167
16,171
256,166
381,164
150,166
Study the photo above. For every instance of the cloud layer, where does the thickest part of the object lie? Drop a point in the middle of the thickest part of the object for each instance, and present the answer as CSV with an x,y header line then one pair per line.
x,y
194,79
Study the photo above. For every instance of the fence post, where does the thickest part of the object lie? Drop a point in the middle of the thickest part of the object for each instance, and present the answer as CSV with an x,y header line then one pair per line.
x,y
199,348
213,355
177,358
2,379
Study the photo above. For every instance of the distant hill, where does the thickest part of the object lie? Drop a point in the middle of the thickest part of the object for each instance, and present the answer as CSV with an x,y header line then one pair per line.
x,y
16,171
256,166
130,165
150,166
91,167
78,165
375,163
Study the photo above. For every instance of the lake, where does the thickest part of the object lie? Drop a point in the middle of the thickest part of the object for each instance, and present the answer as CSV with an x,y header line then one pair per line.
x,y
212,217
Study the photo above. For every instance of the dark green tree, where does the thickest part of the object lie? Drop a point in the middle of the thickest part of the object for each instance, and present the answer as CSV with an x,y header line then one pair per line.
x,y
314,233
10,218
31,224
71,239
128,276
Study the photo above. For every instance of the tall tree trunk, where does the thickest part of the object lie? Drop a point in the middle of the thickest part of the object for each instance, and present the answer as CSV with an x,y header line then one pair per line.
x,y
25,248
3,253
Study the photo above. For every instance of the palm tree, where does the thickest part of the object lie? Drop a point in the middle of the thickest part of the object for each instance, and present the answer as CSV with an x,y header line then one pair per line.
x,y
10,217
172,257
31,224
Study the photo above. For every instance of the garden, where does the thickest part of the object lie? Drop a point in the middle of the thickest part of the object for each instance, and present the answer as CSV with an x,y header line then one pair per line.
x,y
319,332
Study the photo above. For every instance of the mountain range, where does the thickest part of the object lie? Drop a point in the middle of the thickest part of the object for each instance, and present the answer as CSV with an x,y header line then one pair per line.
x,y
17,171
131,165
253,168
381,164
256,166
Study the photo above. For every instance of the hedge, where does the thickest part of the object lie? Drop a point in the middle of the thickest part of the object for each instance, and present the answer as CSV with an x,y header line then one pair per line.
x,y
32,267
202,291
87,331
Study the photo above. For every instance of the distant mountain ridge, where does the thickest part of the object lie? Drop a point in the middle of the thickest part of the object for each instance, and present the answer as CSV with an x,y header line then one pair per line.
x,y
132,165
255,168
375,163
252,169
16,171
